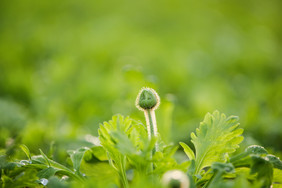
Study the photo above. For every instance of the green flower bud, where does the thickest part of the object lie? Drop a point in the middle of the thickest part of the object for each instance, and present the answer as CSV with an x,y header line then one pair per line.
x,y
175,178
147,99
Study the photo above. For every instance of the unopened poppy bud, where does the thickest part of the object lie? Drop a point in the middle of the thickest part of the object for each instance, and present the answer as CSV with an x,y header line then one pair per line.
x,y
147,99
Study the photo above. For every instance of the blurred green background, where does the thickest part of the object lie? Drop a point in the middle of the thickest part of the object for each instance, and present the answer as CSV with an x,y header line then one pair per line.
x,y
66,66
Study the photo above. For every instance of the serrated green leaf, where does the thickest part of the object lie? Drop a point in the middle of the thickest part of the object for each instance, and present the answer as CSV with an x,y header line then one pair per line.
x,y
216,137
137,135
26,150
189,152
122,136
117,124
114,137
123,143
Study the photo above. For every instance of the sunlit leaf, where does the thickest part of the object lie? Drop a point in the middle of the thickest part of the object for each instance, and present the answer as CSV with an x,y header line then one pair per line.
x,y
189,152
216,137
26,150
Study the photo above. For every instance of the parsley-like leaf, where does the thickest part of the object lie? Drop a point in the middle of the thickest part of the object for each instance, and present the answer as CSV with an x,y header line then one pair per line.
x,y
216,137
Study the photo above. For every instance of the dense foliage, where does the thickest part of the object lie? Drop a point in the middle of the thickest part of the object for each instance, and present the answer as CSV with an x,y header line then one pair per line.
x,y
66,66
130,158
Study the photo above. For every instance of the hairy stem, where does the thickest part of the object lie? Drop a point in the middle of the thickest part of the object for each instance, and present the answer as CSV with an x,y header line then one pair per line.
x,y
149,123
152,131
151,126
154,127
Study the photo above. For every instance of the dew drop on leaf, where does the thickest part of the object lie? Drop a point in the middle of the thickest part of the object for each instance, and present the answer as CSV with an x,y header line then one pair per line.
x,y
43,181
25,162
64,178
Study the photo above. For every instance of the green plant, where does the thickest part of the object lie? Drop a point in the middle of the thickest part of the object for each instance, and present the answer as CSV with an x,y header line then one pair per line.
x,y
130,154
